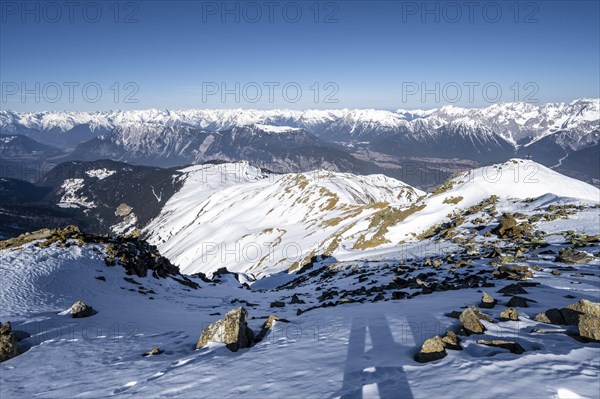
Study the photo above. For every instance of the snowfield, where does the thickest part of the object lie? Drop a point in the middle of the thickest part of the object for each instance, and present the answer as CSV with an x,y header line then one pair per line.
x,y
362,314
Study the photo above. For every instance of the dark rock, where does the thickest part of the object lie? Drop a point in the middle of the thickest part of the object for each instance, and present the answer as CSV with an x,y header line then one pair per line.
x,y
233,331
513,289
518,302
455,314
296,300
513,347
399,295
550,316
154,351
101,278
278,304
267,325
570,255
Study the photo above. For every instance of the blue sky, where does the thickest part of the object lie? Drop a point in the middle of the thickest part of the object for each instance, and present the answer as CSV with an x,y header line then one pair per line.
x,y
376,54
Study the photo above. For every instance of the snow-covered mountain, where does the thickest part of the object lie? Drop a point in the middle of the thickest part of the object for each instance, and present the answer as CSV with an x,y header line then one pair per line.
x,y
515,122
277,148
553,134
254,222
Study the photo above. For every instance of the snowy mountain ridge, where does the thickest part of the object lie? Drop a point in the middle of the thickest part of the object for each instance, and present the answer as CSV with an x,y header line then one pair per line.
x,y
515,122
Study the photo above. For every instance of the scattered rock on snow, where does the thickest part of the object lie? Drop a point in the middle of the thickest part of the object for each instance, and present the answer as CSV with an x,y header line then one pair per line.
x,y
589,327
8,342
509,314
154,351
570,255
233,331
451,341
432,349
278,304
513,289
518,302
79,309
487,301
470,321
267,325
586,307
513,347
513,272
550,316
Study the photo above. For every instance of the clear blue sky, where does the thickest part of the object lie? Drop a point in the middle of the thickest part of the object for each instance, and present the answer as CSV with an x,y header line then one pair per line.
x,y
375,54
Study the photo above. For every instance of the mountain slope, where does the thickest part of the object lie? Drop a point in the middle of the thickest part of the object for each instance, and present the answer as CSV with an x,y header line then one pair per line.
x,y
277,148
110,196
255,222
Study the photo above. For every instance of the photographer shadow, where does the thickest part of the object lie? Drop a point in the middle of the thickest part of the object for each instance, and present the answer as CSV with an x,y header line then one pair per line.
x,y
367,370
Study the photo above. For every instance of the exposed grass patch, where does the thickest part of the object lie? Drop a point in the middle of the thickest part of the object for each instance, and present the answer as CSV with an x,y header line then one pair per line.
x,y
452,200
382,220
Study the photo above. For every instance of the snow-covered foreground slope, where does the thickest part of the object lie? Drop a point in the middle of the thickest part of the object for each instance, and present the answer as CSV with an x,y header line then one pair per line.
x,y
361,347
254,222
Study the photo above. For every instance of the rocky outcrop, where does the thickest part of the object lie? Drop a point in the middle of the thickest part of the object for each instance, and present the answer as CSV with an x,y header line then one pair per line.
x,y
233,331
572,256
8,342
134,254
584,314
80,309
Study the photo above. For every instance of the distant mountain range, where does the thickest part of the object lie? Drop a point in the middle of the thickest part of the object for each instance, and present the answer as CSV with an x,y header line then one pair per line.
x,y
561,136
